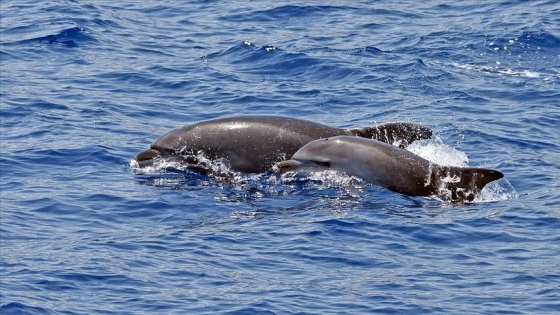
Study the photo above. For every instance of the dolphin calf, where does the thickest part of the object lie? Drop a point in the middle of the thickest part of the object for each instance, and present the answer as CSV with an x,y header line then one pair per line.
x,y
252,144
391,167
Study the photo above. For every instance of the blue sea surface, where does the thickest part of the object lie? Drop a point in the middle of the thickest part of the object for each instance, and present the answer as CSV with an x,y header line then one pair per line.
x,y
86,85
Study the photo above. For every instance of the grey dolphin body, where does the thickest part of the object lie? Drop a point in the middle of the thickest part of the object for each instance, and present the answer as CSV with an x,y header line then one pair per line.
x,y
388,166
252,144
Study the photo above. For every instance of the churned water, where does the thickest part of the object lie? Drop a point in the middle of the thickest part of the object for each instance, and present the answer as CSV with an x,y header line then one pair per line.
x,y
85,85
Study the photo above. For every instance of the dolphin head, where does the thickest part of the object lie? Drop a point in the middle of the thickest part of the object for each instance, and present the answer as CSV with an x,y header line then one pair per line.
x,y
295,165
318,155
155,153
147,158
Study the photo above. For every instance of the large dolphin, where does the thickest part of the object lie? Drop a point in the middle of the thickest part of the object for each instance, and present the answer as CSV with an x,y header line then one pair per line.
x,y
391,167
252,144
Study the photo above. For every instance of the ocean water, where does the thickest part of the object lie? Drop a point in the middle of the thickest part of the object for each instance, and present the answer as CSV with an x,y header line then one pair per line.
x,y
85,85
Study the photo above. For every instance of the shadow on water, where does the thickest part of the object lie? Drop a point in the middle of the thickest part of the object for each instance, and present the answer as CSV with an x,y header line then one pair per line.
x,y
69,37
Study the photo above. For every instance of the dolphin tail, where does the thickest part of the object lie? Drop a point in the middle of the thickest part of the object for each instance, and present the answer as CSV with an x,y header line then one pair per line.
x,y
460,184
398,133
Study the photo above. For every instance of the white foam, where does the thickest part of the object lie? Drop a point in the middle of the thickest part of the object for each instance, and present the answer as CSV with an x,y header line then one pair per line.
x,y
497,191
498,70
435,151
531,74
157,166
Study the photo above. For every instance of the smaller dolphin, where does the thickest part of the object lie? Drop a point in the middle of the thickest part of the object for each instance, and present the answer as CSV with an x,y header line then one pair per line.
x,y
391,167
252,144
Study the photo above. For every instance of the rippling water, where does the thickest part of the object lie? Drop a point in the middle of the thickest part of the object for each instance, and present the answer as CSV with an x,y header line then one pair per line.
x,y
87,85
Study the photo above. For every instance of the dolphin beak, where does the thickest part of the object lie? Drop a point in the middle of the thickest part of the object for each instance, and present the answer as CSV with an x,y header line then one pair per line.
x,y
286,166
147,157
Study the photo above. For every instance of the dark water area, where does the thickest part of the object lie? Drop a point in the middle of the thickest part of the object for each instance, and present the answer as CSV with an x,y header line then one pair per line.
x,y
86,85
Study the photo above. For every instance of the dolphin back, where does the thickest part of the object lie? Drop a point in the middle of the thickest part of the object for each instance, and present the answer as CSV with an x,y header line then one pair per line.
x,y
398,133
463,183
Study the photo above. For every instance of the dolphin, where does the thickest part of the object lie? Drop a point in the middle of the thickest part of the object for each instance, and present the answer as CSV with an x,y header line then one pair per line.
x,y
252,144
391,167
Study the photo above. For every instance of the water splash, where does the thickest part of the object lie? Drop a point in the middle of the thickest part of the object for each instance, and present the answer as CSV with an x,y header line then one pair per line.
x,y
435,151
499,190
271,184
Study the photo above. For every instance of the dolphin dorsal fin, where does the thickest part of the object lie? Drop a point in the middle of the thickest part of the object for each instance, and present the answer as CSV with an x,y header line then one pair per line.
x,y
400,133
